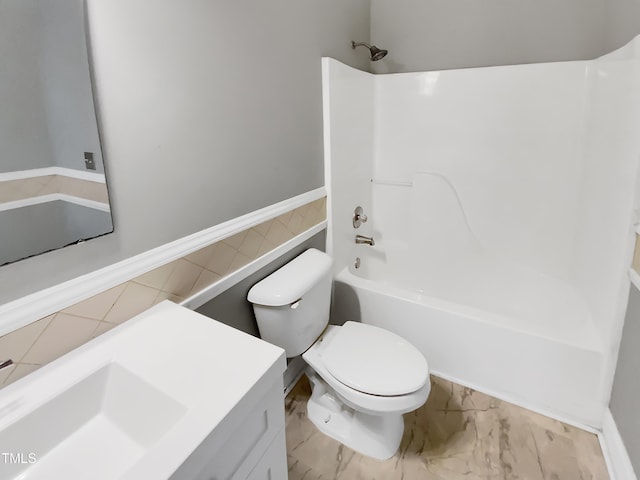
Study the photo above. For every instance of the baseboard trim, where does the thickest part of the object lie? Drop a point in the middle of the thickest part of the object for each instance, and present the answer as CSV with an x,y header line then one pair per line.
x,y
52,197
516,401
614,451
46,171
27,309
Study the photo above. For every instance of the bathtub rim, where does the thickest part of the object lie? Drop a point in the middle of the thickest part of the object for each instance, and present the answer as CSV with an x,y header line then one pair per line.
x,y
484,316
590,420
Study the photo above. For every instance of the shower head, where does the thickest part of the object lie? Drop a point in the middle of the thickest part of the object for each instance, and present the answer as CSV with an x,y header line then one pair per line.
x,y
376,53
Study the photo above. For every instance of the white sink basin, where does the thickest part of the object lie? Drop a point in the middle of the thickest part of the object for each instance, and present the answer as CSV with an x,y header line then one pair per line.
x,y
112,410
134,403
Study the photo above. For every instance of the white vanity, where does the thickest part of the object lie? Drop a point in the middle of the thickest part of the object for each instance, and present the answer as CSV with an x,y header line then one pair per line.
x,y
169,394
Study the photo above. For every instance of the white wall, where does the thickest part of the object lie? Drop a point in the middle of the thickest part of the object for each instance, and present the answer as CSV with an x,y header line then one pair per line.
x,y
208,110
436,34
506,139
349,116
604,237
543,158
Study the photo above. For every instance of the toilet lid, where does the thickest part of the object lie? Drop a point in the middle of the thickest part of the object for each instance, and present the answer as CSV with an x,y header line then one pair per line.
x,y
375,361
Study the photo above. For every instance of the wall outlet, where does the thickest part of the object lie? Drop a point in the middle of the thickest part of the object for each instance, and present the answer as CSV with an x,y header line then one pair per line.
x,y
89,163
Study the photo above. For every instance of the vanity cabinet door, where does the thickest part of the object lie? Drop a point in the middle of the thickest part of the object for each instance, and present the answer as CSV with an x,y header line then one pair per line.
x,y
273,464
252,437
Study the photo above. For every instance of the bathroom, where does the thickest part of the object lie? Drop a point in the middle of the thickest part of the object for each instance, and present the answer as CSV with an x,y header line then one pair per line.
x,y
212,111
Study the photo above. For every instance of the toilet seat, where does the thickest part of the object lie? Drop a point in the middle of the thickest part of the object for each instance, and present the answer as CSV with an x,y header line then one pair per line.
x,y
373,360
364,402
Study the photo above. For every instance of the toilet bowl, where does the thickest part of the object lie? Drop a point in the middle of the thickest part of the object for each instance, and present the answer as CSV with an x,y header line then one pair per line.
x,y
351,398
363,377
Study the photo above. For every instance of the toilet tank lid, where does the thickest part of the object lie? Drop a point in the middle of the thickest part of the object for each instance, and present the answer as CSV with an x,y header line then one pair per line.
x,y
292,281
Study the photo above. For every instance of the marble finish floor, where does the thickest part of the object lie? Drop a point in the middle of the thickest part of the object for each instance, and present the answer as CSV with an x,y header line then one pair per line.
x,y
458,434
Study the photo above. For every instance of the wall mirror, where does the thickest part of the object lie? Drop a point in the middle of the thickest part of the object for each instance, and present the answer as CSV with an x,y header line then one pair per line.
x,y
53,190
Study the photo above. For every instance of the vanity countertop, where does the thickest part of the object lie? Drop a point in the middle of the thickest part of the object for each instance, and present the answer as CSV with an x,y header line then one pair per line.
x,y
138,400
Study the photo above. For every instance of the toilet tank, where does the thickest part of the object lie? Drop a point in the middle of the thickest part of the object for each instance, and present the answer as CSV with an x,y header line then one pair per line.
x,y
292,304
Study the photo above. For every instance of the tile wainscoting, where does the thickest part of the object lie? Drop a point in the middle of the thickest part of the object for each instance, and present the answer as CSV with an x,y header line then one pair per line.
x,y
27,188
43,341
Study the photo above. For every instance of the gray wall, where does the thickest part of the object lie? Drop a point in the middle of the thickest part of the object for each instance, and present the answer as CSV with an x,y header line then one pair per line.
x,y
232,306
66,83
213,109
626,385
24,135
622,22
444,34
209,110
47,116
45,226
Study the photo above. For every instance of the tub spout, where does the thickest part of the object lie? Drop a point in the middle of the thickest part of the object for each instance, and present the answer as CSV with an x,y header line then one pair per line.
x,y
361,239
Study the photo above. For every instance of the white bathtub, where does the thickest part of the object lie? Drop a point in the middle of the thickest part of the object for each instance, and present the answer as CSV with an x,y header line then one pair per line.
x,y
500,201
528,363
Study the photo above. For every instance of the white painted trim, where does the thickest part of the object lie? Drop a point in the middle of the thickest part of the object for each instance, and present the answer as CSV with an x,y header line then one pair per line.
x,y
517,401
30,308
230,280
104,207
614,451
46,171
26,202
326,139
52,197
635,278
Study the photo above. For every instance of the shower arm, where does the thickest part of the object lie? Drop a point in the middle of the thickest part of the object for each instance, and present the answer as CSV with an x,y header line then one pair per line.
x,y
376,53
359,44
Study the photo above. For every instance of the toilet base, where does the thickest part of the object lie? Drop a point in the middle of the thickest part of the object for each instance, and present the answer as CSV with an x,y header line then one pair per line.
x,y
376,436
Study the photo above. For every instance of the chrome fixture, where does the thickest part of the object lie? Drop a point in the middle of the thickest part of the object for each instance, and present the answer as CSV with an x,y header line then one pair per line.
x,y
357,262
6,363
361,239
359,217
376,53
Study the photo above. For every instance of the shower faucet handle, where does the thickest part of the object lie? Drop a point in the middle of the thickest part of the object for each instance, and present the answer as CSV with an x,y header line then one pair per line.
x,y
359,217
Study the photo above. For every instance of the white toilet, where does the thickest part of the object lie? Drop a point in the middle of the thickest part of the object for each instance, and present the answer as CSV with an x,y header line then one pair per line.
x,y
363,377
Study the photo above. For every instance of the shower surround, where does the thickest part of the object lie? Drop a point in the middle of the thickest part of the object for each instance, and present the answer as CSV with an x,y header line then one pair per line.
x,y
502,203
